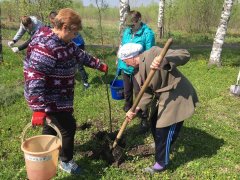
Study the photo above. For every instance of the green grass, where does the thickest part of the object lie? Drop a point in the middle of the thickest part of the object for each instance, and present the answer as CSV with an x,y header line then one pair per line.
x,y
208,146
91,34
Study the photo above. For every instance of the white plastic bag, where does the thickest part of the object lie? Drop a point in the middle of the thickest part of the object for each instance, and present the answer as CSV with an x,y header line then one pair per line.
x,y
235,89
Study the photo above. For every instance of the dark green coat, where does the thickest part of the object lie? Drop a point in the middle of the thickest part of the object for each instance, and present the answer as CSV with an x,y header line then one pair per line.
x,y
169,92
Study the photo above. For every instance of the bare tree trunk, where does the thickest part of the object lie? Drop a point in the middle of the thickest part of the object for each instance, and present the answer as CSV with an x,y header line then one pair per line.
x,y
100,20
1,52
161,18
124,8
215,56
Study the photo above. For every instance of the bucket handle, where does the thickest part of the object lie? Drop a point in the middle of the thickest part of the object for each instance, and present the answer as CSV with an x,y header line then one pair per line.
x,y
114,80
118,73
49,123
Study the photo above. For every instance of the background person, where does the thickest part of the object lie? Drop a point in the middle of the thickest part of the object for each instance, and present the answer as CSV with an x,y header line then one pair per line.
x,y
171,96
78,40
28,24
49,75
135,32
51,18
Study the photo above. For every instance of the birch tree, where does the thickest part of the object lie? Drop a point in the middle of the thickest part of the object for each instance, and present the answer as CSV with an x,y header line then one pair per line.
x,y
215,56
124,8
161,18
1,52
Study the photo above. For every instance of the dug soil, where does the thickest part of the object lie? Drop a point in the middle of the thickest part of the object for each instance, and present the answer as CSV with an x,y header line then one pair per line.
x,y
102,148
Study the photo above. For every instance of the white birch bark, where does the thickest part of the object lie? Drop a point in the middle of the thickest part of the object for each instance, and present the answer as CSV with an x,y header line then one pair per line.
x,y
161,18
215,56
1,52
124,8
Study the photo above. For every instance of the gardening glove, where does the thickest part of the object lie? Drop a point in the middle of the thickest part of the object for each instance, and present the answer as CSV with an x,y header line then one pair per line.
x,y
38,118
118,73
15,49
10,43
103,67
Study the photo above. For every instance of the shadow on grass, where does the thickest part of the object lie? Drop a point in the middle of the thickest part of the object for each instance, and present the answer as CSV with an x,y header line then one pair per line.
x,y
193,144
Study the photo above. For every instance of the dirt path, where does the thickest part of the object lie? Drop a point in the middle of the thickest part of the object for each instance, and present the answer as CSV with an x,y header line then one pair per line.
x,y
200,46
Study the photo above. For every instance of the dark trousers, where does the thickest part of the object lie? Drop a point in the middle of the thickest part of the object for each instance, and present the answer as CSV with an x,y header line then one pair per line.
x,y
130,84
81,68
83,73
66,124
164,138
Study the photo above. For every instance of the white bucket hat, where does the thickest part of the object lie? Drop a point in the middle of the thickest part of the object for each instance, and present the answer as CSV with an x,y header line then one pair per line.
x,y
129,50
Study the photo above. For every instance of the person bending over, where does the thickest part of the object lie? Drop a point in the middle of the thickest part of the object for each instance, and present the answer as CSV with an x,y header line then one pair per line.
x,y
28,24
170,95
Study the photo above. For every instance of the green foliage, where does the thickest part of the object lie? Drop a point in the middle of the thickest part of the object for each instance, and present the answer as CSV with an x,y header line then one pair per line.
x,y
14,9
9,9
235,17
194,16
191,16
41,8
206,149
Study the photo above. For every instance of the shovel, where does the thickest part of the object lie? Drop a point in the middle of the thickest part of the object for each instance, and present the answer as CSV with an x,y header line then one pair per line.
x,y
235,89
140,94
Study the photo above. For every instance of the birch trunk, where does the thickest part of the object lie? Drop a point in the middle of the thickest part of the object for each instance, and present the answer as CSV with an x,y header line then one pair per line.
x,y
161,18
215,56
1,52
124,8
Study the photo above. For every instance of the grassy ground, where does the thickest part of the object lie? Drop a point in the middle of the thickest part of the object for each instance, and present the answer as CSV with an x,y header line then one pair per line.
x,y
208,146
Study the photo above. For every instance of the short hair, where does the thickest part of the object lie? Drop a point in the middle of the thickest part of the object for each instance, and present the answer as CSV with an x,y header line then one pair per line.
x,y
52,14
26,20
133,16
68,17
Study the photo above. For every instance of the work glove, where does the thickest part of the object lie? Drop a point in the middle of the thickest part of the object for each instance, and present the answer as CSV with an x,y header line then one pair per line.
x,y
118,72
38,118
15,49
103,67
10,43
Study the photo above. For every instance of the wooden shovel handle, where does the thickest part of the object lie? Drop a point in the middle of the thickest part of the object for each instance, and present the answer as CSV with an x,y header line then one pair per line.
x,y
145,85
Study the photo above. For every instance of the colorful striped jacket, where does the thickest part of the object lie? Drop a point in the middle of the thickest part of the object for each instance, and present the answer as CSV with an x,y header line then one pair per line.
x,y
49,71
